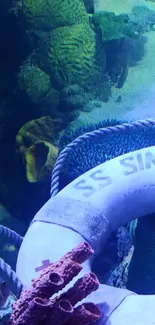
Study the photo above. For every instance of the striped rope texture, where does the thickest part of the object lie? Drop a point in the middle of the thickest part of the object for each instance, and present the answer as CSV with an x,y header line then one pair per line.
x,y
11,278
6,272
11,235
90,135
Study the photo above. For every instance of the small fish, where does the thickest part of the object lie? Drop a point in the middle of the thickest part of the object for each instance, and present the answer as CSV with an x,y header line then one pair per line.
x,y
4,293
9,248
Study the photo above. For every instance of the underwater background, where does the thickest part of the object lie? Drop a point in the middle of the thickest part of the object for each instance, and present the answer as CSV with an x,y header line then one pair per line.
x,y
66,68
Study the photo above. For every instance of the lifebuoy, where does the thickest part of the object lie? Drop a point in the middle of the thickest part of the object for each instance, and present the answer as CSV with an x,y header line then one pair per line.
x,y
92,206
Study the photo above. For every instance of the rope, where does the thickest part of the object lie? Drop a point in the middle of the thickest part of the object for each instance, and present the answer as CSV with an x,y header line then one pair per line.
x,y
6,272
15,238
11,278
90,135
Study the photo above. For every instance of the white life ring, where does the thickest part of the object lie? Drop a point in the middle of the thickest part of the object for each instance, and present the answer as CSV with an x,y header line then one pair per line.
x,y
93,205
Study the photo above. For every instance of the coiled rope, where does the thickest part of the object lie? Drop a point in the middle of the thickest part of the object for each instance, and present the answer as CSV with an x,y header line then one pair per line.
x,y
8,275
11,235
90,135
12,280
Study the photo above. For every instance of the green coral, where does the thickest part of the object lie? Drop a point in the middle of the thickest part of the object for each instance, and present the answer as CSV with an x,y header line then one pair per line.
x,y
68,49
144,18
49,14
114,27
67,43
71,54
35,82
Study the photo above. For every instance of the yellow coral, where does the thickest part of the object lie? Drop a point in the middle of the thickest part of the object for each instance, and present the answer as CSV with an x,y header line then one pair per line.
x,y
43,128
48,14
71,54
40,159
35,142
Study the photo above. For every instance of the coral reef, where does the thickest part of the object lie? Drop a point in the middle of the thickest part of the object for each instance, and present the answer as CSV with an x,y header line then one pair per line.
x,y
69,51
114,27
49,105
111,264
35,306
144,18
35,142
121,55
118,277
35,82
45,86
66,50
71,54
40,159
73,98
45,15
119,39
141,277
43,128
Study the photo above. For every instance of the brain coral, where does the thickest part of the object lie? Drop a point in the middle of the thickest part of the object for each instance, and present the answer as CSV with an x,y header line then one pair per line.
x,y
71,54
49,14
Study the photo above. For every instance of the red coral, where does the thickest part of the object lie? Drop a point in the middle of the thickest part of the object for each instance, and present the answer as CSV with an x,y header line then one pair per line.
x,y
34,306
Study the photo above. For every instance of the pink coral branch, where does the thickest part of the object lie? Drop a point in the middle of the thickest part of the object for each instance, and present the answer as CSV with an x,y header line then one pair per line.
x,y
81,289
80,253
60,313
85,314
34,306
55,278
45,287
37,308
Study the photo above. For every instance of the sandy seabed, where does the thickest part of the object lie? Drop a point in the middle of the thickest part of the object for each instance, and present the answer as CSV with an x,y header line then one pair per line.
x,y
137,94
